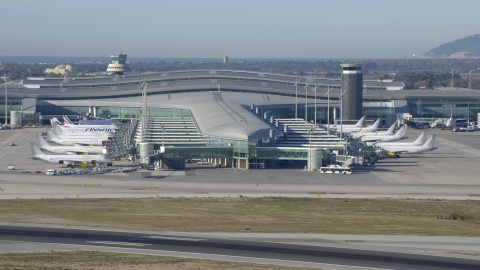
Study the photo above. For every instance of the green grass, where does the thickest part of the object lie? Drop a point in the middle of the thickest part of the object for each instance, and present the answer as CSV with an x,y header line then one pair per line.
x,y
275,215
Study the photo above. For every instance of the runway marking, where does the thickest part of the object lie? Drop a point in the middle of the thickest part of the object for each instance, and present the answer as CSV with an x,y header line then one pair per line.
x,y
174,238
78,196
118,243
2,190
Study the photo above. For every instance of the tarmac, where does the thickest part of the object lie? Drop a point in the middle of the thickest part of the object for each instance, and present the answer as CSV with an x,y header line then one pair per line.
x,y
450,172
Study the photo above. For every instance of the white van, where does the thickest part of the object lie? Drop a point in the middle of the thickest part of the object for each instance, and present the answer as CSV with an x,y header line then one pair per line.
x,y
51,172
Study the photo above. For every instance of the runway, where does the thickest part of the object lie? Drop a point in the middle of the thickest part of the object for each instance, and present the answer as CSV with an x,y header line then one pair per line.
x,y
317,252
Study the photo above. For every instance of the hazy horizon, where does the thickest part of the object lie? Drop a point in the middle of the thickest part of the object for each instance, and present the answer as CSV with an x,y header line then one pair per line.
x,y
247,29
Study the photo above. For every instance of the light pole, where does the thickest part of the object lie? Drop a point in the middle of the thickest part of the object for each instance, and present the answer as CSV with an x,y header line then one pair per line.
x,y
451,84
315,89
381,103
341,112
306,102
163,134
6,104
296,98
328,111
310,131
470,80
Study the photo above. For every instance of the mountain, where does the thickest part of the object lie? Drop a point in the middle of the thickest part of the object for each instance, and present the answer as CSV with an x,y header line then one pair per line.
x,y
468,47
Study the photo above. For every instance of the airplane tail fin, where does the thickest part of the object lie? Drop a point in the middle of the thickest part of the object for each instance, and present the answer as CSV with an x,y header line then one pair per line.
x,y
361,122
67,121
375,125
42,143
430,142
391,130
420,140
401,131
51,136
56,121
36,152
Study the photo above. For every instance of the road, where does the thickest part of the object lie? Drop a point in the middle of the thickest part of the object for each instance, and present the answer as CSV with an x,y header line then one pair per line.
x,y
322,253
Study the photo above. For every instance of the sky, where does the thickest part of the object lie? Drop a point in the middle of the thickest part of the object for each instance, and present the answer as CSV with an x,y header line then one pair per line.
x,y
366,29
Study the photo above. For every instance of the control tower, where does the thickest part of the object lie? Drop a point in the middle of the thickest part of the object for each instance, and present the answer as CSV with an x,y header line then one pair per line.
x,y
118,65
352,86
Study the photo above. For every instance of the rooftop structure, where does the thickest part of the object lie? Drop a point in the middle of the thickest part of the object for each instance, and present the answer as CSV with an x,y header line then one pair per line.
x,y
60,69
118,65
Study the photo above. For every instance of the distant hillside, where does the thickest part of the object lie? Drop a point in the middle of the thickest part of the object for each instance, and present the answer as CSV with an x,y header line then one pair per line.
x,y
468,47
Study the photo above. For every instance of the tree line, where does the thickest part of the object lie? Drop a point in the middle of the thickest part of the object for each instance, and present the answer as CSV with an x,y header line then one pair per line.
x,y
415,73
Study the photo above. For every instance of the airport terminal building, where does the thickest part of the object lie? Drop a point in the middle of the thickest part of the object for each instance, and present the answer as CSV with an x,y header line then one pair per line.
x,y
233,118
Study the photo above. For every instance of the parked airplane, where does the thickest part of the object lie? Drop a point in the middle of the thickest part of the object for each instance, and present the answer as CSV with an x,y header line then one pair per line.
x,y
359,124
390,131
51,136
73,149
68,159
410,149
112,124
419,141
371,128
386,138
449,123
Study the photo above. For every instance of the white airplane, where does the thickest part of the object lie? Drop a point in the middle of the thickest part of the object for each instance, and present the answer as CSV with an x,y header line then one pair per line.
x,y
371,128
68,159
386,138
51,136
419,141
410,149
390,131
359,124
449,123
83,130
82,121
73,149
68,123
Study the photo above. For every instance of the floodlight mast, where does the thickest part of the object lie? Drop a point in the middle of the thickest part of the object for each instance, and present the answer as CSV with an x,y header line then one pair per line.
x,y
470,80
306,102
6,103
143,86
315,117
341,112
328,110
296,98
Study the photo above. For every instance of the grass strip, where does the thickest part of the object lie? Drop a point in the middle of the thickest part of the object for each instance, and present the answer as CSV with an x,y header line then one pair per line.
x,y
259,215
82,260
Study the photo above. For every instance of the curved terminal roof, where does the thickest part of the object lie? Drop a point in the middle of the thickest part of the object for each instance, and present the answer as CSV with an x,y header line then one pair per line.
x,y
206,80
217,114
223,113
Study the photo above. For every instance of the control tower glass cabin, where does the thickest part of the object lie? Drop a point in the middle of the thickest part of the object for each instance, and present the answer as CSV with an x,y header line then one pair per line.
x,y
118,65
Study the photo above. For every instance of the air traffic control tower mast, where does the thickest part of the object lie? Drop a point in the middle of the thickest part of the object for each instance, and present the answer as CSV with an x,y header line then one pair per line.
x,y
352,87
118,65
